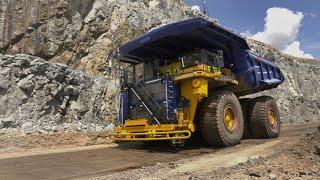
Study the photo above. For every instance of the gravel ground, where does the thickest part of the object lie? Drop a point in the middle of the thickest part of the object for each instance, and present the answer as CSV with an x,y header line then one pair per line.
x,y
53,140
288,158
294,155
301,160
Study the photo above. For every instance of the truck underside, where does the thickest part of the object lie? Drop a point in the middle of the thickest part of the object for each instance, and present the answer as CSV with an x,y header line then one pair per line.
x,y
177,83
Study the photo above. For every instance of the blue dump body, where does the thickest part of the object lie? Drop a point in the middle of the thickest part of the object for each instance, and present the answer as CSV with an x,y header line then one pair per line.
x,y
171,41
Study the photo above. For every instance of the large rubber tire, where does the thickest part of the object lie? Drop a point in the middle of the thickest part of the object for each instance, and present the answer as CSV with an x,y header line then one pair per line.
x,y
245,103
212,123
260,125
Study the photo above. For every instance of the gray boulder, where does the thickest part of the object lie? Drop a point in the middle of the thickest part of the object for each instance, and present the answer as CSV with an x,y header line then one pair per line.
x,y
41,95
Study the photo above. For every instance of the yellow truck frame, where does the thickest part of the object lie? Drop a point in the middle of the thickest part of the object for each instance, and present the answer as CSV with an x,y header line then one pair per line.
x,y
195,83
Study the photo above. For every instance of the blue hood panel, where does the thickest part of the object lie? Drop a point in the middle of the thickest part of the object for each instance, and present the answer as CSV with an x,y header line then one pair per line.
x,y
172,40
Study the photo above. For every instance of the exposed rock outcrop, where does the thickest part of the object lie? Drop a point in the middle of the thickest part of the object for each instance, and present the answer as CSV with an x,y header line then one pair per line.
x,y
35,94
83,34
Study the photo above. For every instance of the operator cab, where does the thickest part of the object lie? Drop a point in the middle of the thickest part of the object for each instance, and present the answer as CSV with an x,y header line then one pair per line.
x,y
201,56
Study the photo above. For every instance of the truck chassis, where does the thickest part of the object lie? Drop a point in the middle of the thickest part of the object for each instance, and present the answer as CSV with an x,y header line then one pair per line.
x,y
188,77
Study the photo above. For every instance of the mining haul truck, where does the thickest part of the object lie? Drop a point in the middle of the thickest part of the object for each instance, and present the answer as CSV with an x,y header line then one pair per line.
x,y
188,78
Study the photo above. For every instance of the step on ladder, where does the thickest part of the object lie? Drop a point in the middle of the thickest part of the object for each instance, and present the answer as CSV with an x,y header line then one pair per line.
x,y
171,99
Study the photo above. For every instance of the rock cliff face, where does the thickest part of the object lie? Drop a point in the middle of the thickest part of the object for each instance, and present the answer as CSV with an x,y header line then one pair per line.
x,y
84,35
37,95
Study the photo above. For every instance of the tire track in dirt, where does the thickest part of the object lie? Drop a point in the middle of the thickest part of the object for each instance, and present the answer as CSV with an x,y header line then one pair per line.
x,y
103,161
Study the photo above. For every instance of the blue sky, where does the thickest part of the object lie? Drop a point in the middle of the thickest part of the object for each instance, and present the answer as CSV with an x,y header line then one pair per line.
x,y
249,16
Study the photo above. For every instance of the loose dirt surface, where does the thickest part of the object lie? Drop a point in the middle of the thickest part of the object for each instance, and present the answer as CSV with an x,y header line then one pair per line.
x,y
293,155
299,160
53,140
283,158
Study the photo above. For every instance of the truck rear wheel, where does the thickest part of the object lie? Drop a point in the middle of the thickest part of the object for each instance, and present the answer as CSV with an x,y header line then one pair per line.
x,y
264,118
221,120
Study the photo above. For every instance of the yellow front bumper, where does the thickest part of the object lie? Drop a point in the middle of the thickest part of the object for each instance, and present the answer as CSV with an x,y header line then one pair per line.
x,y
151,136
140,130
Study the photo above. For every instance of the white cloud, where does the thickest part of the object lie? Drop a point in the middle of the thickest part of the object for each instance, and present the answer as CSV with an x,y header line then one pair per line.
x,y
281,30
281,27
195,8
294,49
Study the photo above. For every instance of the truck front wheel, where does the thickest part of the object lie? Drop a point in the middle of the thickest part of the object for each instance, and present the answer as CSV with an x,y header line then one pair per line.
x,y
264,118
221,120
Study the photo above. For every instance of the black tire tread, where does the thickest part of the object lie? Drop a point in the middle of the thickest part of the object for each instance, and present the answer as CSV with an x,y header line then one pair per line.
x,y
258,118
209,120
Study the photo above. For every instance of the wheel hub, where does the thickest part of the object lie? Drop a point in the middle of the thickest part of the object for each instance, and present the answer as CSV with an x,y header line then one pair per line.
x,y
230,119
272,118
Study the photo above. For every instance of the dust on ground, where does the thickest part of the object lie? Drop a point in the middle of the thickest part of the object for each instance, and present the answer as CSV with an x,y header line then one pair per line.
x,y
300,160
52,140
288,158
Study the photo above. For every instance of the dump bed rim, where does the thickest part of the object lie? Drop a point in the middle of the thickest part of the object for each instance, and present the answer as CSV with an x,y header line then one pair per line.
x,y
198,26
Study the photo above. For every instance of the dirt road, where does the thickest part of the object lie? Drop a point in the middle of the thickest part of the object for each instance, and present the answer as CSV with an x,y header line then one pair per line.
x,y
103,161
